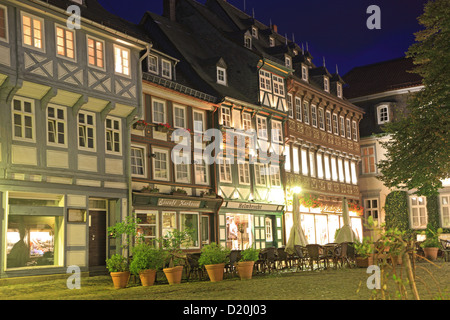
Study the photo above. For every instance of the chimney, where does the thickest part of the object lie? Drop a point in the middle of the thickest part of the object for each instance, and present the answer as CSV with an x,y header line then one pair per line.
x,y
275,28
169,7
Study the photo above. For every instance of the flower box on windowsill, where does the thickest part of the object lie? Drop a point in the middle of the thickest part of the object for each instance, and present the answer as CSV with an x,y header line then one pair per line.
x,y
162,127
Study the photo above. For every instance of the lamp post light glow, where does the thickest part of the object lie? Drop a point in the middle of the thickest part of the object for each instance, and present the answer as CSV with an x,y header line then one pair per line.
x,y
297,190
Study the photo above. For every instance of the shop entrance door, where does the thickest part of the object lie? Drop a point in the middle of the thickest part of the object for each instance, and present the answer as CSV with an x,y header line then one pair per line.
x,y
97,238
269,222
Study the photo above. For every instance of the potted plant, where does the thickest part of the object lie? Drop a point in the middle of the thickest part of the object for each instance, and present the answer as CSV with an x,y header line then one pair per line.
x,y
140,125
431,244
118,268
208,194
148,189
146,262
247,262
163,127
126,227
174,261
214,257
364,252
178,191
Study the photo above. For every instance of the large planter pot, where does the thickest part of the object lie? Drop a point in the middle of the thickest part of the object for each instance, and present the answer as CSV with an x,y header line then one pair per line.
x,y
364,262
431,253
245,269
173,275
147,277
215,271
120,279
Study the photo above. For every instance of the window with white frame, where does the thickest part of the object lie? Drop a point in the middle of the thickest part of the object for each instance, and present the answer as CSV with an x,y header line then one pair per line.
x,y
260,174
138,165
96,52
335,124
113,128
225,170
244,172
298,108
261,126
354,131
65,42
248,42
221,76
56,126
275,179
86,131
3,23
153,64
445,210
277,131
312,163
371,208
368,160
328,121
347,171
339,90
353,171
326,163
326,84
342,126
179,116
255,32
199,121
226,116
341,170
314,116
278,85
148,226
306,112
288,61
349,129
166,69
334,172
290,106
383,114
182,169
295,159
32,31
304,73
190,221
265,80
160,164
319,157
201,172
159,111
247,121
418,206
122,60
169,222
23,119
287,158
321,119
304,155
268,229
271,41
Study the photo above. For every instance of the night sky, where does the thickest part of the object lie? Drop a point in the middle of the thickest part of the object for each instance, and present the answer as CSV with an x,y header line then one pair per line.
x,y
334,29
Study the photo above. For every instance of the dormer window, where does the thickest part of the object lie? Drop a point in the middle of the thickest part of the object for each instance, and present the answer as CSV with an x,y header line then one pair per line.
x,y
339,90
248,42
304,73
221,76
166,69
271,41
295,52
255,32
153,64
326,84
288,61
383,114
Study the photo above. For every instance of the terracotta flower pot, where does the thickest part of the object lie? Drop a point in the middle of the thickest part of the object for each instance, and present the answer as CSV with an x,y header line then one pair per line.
x,y
364,262
215,271
431,253
245,269
147,277
120,279
173,275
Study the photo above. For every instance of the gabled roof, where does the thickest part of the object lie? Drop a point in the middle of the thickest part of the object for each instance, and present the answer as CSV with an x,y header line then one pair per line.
x,y
381,77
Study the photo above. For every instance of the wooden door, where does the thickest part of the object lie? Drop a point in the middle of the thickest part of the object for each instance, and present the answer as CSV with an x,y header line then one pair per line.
x,y
97,238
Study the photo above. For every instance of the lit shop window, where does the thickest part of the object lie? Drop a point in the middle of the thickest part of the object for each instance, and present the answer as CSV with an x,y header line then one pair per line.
x,y
148,226
190,221
169,223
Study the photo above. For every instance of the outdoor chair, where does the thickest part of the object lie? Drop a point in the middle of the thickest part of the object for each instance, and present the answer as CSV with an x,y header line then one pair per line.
x,y
301,256
445,248
230,267
328,251
315,253
193,267
267,260
282,258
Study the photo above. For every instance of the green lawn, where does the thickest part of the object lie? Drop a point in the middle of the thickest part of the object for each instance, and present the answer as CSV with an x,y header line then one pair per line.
x,y
312,285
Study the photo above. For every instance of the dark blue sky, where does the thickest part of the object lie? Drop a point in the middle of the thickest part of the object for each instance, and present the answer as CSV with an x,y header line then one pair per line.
x,y
334,29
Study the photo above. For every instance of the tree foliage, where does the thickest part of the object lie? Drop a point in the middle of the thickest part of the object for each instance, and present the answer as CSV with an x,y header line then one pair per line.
x,y
418,153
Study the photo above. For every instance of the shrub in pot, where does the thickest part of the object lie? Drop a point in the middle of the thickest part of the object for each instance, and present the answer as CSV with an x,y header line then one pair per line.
x,y
247,262
146,262
214,257
364,252
119,271
431,244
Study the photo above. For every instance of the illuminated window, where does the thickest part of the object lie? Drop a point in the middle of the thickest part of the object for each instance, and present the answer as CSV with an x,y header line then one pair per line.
x,y
244,173
65,42
371,208
169,223
287,154
225,170
122,60
261,126
347,171
247,121
321,119
319,166
326,160
290,106
148,226
226,116
190,221
32,31
296,164
353,171
277,131
341,170
179,117
304,162
96,53
368,160
335,124
334,172
159,111
201,172
260,174
278,85
265,80
312,163
182,169
314,116
275,179
328,120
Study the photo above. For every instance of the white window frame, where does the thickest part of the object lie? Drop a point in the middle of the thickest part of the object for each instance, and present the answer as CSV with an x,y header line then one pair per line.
x,y
244,172
295,159
275,178
23,114
5,19
366,159
261,127
86,126
304,73
185,166
326,84
288,61
265,80
342,126
166,176
154,70
143,150
321,119
278,86
383,114
175,118
202,169
95,40
306,112
354,131
55,120
314,116
334,170
329,125
277,131
260,179
422,220
202,113
444,200
298,109
42,33
372,208
122,62
221,76
166,69
225,173
111,133
247,121
65,45
304,158
255,32
225,115
339,90
271,42
163,103
349,128
287,158
290,105
335,124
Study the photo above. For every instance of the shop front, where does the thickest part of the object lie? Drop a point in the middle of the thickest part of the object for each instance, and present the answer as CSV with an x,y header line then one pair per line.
x,y
160,214
243,225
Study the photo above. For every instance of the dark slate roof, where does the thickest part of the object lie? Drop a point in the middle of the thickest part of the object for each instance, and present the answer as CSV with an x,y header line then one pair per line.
x,y
381,77
94,11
